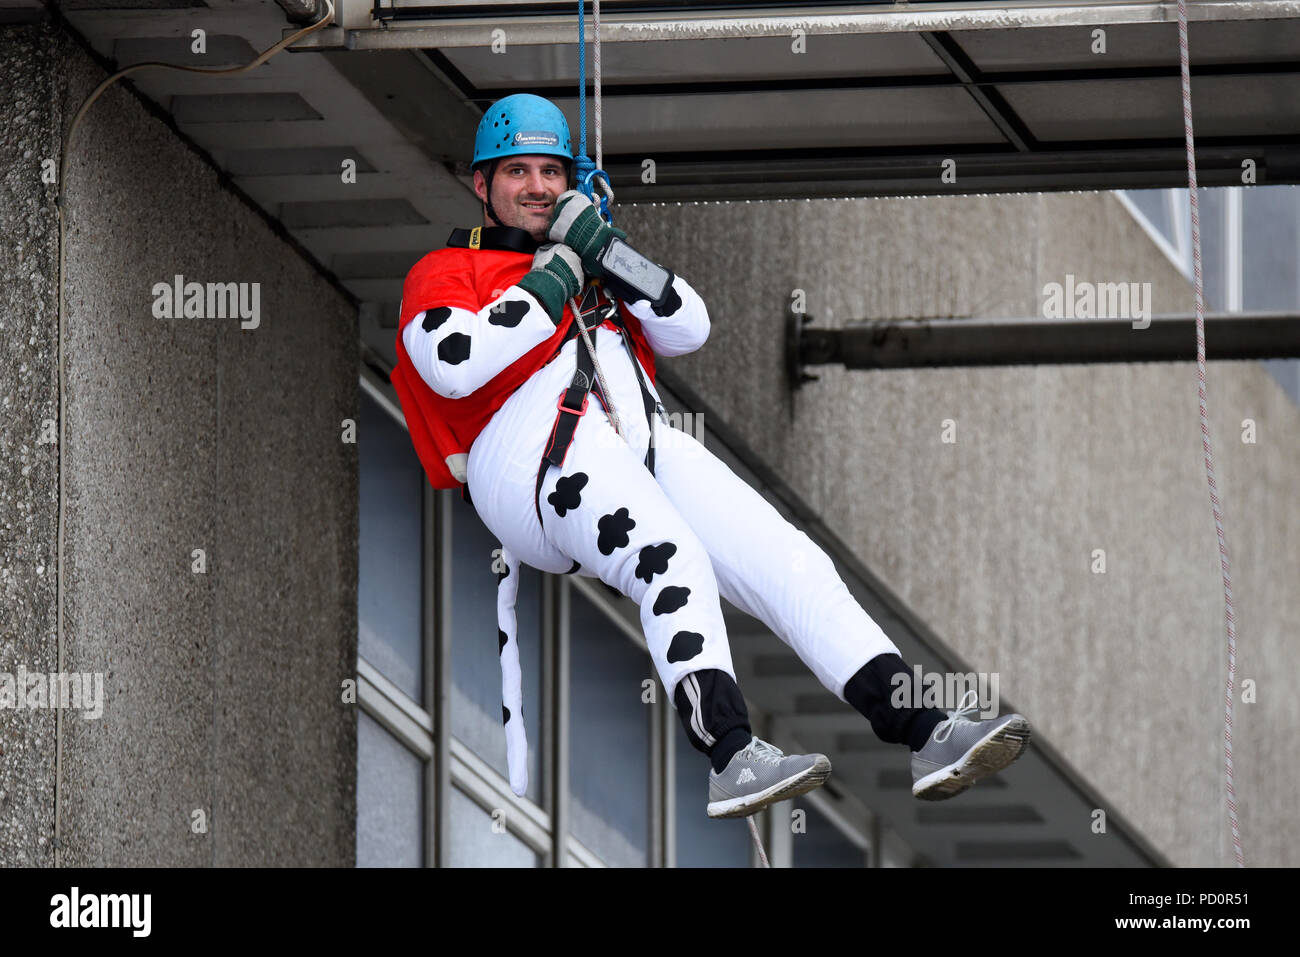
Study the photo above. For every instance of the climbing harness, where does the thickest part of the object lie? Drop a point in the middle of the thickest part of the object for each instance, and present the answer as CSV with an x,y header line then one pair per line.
x,y
597,309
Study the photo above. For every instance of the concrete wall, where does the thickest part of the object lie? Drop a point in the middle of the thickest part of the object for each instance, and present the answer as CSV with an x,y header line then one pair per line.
x,y
990,539
28,471
222,689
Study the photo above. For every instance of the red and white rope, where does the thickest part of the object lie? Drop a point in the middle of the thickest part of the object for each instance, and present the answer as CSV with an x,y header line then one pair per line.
x,y
753,831
600,159
1205,433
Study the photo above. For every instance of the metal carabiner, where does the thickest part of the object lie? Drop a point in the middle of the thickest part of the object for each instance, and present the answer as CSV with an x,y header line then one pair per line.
x,y
600,177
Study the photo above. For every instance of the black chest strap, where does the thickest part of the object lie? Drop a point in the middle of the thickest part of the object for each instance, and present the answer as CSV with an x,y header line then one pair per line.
x,y
502,238
572,405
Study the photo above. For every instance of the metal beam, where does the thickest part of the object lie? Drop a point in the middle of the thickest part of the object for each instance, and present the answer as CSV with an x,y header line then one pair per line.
x,y
798,174
989,100
971,80
396,31
930,343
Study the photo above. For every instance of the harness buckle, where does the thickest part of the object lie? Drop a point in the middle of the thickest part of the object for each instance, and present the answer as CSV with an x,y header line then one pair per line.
x,y
586,397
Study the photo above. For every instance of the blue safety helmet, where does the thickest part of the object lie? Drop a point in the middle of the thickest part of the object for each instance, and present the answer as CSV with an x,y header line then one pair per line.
x,y
519,125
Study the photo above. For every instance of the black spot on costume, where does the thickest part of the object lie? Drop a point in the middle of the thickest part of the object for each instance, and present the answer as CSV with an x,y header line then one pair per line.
x,y
454,349
671,599
508,314
568,493
613,531
654,560
435,317
685,646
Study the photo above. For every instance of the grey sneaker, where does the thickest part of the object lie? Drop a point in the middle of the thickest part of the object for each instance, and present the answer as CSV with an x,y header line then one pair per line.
x,y
759,774
960,752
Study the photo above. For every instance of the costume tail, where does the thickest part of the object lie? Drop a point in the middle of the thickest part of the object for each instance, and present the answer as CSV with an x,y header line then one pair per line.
x,y
512,696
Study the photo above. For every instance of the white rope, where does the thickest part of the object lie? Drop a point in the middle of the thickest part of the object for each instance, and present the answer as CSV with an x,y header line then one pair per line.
x,y
762,855
1205,433
600,375
573,303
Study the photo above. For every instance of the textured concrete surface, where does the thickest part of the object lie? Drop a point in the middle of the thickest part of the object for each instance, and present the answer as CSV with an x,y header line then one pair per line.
x,y
990,539
222,688
28,469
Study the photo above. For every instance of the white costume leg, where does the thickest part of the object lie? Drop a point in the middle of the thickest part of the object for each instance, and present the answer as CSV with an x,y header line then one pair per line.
x,y
767,567
502,466
602,509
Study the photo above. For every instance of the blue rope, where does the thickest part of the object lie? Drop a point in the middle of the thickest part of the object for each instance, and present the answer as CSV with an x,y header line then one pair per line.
x,y
582,77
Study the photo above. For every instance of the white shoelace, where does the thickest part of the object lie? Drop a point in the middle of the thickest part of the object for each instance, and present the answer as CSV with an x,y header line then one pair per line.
x,y
762,751
944,727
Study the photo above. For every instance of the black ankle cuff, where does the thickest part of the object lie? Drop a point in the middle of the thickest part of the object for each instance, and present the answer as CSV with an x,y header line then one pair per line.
x,y
735,740
871,691
713,713
923,726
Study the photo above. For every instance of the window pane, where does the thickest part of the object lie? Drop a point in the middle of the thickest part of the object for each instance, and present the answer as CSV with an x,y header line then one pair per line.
x,y
475,651
609,737
823,845
474,843
1271,263
388,586
1155,207
390,798
703,841
1271,254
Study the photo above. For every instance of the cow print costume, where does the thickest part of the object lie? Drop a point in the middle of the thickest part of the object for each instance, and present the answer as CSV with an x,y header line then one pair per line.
x,y
673,541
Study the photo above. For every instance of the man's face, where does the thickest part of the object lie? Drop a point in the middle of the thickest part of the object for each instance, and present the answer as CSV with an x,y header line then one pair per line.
x,y
524,191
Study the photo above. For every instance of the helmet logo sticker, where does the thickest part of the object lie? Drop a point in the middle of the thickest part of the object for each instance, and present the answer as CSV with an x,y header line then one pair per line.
x,y
534,138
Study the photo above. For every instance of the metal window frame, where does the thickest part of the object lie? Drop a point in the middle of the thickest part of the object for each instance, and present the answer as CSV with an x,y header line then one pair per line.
x,y
1180,219
558,725
447,762
399,715
437,635
659,792
1234,244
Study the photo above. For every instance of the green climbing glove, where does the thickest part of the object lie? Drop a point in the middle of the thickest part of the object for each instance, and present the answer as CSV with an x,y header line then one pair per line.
x,y
578,225
555,278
